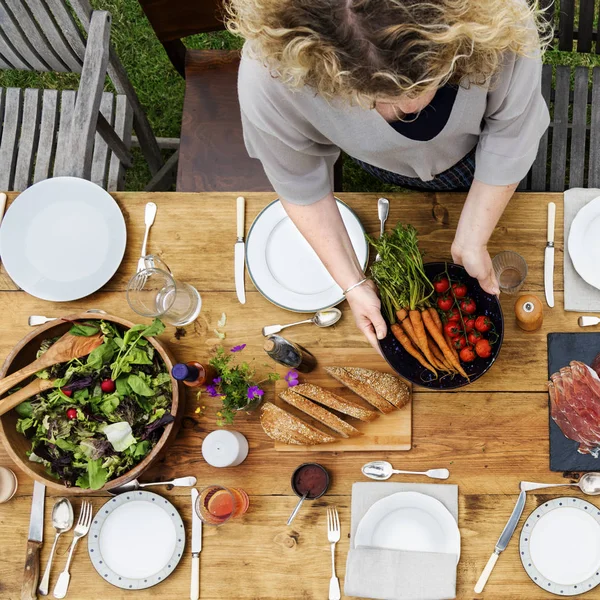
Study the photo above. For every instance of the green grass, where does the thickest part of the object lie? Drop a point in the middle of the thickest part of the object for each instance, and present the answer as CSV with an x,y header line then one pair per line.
x,y
161,89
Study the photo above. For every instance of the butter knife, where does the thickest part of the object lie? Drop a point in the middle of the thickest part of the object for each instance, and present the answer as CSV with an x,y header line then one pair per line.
x,y
196,548
505,536
549,257
240,251
31,575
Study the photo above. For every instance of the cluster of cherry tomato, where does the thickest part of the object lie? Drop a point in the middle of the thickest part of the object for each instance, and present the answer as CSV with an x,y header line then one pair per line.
x,y
465,329
107,386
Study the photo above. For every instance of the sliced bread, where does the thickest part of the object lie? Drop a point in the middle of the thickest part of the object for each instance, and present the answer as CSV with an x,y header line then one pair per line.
x,y
281,426
319,413
364,391
331,400
393,389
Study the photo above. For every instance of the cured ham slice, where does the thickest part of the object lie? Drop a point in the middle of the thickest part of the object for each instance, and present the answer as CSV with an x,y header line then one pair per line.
x,y
575,405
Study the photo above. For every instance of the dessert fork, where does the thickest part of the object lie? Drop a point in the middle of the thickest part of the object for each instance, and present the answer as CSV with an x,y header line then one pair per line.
x,y
81,530
333,535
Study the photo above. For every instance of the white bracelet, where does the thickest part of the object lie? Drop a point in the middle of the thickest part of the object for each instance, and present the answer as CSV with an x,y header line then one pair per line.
x,y
355,285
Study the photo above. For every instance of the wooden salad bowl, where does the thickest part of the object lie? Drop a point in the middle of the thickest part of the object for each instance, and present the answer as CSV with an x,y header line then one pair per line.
x,y
17,445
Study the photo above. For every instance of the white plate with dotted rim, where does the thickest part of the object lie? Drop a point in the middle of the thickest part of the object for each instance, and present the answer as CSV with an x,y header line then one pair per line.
x,y
62,239
136,540
286,270
560,546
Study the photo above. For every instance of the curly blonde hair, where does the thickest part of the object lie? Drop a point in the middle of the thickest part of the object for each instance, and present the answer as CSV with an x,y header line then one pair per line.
x,y
365,50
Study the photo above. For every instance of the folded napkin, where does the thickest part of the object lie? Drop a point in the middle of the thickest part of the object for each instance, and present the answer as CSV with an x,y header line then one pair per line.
x,y
579,295
395,574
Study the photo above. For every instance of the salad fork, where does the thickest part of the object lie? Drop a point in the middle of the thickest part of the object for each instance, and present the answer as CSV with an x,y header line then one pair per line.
x,y
333,535
81,530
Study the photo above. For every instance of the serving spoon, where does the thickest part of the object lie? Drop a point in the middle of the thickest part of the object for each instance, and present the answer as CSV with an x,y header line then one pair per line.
x,y
589,484
382,470
132,486
62,521
323,318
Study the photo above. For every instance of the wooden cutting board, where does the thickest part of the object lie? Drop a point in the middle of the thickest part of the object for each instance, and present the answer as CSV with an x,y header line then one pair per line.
x,y
388,432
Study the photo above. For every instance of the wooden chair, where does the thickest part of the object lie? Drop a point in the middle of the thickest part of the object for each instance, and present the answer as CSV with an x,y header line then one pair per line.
x,y
85,133
212,155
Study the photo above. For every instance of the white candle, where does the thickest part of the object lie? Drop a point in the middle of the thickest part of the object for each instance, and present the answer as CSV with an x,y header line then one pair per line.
x,y
223,448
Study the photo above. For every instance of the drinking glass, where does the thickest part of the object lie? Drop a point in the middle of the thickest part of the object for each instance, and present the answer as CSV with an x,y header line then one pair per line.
x,y
511,270
154,292
217,504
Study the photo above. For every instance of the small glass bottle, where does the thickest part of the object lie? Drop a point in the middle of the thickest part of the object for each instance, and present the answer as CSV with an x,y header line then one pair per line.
x,y
289,354
193,374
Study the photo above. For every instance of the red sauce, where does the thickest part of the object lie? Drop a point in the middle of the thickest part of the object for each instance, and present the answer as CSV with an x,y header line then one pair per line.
x,y
312,479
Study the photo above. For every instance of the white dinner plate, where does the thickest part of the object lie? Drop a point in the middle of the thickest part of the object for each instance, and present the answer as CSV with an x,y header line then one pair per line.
x,y
584,242
409,521
62,239
286,270
560,546
136,540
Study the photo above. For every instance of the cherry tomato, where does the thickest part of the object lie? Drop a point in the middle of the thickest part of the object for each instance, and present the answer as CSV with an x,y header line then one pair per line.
x,y
459,289
467,355
453,314
108,386
468,306
460,342
67,393
445,303
469,324
452,329
483,349
483,324
72,413
441,284
474,337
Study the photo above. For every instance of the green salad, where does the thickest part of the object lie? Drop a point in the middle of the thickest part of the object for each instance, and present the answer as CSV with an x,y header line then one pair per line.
x,y
105,412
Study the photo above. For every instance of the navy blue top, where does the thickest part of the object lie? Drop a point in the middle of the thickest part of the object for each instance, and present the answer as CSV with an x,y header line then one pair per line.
x,y
432,119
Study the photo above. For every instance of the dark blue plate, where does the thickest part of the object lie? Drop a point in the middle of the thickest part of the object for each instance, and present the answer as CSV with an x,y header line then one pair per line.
x,y
408,367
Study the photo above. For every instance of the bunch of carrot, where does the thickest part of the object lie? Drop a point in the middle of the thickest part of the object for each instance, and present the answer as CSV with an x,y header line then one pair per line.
x,y
405,292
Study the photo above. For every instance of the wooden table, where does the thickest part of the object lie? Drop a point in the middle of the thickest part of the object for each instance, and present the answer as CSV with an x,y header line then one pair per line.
x,y
490,435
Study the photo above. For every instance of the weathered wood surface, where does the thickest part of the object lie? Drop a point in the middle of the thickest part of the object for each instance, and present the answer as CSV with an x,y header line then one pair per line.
x,y
490,435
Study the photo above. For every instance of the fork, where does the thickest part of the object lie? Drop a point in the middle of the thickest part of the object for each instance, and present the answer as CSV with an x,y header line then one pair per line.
x,y
81,530
333,535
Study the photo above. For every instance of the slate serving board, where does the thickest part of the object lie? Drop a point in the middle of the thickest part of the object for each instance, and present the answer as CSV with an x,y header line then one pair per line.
x,y
562,349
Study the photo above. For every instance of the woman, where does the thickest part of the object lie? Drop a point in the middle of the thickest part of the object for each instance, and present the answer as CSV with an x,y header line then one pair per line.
x,y
435,95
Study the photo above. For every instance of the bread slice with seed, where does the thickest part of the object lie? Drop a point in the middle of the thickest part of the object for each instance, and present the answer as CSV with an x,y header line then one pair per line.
x,y
364,391
335,402
284,427
319,413
393,389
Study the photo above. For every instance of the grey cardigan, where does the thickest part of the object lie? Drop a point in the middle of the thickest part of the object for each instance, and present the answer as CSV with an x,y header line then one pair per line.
x,y
297,135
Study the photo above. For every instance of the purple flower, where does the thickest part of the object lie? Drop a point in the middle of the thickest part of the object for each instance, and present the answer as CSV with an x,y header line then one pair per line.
x,y
212,391
217,381
238,348
292,378
254,392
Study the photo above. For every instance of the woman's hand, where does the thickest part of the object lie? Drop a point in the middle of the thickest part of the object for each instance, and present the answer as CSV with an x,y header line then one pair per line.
x,y
366,307
476,260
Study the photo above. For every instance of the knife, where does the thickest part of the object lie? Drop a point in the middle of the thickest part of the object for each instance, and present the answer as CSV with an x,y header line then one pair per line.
x,y
240,250
31,574
549,257
196,548
505,536
2,206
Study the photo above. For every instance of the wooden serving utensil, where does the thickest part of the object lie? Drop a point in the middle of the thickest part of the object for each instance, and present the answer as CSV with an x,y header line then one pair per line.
x,y
35,387
65,349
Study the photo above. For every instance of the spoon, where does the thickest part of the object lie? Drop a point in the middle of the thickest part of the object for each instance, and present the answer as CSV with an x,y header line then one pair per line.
x,y
589,484
383,209
131,486
295,511
382,470
62,520
324,318
149,216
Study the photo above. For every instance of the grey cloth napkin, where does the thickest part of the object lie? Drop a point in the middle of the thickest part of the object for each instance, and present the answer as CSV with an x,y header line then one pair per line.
x,y
579,295
394,574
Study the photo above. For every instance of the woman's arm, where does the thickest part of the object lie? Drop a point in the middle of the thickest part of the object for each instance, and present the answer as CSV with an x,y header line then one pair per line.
x,y
482,210
322,226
